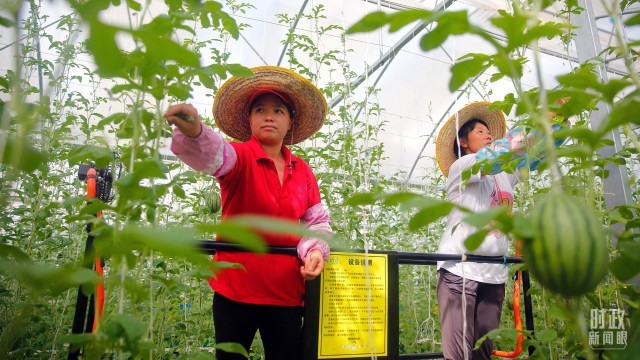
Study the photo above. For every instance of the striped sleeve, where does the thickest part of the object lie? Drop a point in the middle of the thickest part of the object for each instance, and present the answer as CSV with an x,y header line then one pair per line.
x,y
208,153
317,219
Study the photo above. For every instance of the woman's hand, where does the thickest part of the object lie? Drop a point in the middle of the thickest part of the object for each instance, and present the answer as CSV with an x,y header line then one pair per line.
x,y
313,265
185,117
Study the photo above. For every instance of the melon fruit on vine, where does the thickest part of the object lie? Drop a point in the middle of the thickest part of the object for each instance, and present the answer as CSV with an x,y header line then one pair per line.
x,y
212,201
568,253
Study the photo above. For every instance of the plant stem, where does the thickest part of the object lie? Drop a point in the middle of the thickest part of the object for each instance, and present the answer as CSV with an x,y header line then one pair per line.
x,y
614,12
16,327
577,319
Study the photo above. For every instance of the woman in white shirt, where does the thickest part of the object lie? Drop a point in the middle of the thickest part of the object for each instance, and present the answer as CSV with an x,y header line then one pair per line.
x,y
474,128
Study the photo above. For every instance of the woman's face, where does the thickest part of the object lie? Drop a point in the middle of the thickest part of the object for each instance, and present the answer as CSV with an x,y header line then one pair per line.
x,y
269,119
478,138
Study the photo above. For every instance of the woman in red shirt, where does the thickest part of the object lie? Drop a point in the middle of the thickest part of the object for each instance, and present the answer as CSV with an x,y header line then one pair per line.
x,y
260,176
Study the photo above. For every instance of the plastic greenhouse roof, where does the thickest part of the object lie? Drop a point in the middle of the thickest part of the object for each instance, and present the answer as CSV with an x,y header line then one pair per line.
x,y
413,84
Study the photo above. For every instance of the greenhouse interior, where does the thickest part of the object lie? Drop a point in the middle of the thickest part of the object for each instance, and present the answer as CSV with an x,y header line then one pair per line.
x,y
112,240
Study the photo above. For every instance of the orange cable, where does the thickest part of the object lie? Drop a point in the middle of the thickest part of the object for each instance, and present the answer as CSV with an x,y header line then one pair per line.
x,y
516,317
99,303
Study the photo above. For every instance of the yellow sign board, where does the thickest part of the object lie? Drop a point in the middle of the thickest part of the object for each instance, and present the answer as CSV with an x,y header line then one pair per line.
x,y
353,306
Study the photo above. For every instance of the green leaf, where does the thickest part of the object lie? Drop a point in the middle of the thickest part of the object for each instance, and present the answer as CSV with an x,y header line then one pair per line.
x,y
547,30
624,267
404,199
206,272
369,22
627,111
583,134
174,283
546,335
233,348
147,120
211,14
577,151
6,22
91,154
519,34
10,251
396,20
633,340
522,227
77,340
467,67
134,5
94,206
634,20
163,49
102,44
272,225
583,77
626,211
179,192
239,70
125,327
507,104
240,234
449,23
138,292
362,199
630,249
229,24
513,26
116,89
613,87
482,219
113,119
511,67
50,278
400,19
429,214
502,335
496,77
474,241
220,265
181,92
171,241
151,169
23,156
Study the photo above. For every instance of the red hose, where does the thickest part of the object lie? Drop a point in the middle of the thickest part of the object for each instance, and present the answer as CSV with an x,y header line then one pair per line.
x,y
99,305
99,295
516,317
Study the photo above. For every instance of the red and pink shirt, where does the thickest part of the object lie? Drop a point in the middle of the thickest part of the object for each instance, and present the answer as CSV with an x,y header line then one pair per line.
x,y
249,185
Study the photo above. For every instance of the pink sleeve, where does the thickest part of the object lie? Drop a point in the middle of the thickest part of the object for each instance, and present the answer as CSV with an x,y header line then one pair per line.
x,y
317,219
208,153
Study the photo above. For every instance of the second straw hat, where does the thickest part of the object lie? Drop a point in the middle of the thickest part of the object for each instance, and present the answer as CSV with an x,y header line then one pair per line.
x,y
448,133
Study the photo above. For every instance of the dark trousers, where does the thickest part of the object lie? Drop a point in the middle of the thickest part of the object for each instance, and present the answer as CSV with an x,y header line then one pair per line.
x,y
483,310
280,328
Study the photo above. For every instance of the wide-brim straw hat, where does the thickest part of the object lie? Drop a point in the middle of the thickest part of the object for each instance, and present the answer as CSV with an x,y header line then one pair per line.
x,y
231,105
448,133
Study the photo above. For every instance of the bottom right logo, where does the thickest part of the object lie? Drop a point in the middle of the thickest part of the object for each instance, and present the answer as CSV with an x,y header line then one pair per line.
x,y
607,329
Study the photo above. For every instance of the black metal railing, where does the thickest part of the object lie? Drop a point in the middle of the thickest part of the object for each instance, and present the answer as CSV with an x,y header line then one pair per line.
x,y
408,258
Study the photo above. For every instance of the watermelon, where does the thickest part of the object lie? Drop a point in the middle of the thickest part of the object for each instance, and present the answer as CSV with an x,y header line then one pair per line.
x,y
212,201
568,253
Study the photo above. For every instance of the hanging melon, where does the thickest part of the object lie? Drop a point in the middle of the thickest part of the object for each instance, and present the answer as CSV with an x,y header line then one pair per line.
x,y
212,201
568,254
